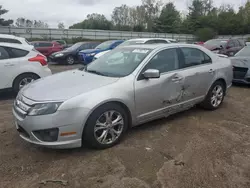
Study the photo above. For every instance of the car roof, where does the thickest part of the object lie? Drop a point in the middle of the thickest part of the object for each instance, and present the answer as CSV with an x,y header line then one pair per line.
x,y
10,36
43,41
156,46
146,39
19,46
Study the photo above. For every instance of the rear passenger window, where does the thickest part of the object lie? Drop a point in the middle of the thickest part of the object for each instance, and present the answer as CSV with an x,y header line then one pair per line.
x,y
15,53
3,53
160,42
43,44
10,40
150,42
194,57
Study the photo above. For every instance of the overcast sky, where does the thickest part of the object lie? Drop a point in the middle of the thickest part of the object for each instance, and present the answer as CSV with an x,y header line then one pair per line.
x,y
72,11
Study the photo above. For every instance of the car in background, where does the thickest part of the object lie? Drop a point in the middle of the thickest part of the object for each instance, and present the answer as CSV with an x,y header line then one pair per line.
x,y
227,47
20,65
47,48
241,66
95,105
62,43
86,56
13,39
139,41
69,55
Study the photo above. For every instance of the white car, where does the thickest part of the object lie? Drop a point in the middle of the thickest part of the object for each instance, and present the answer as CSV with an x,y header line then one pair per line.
x,y
20,65
139,41
13,39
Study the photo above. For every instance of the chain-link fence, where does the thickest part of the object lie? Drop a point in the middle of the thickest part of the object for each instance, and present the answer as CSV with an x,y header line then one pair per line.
x,y
89,34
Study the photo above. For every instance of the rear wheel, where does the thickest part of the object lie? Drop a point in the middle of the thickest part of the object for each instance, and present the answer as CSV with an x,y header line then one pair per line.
x,y
105,126
70,60
215,96
23,80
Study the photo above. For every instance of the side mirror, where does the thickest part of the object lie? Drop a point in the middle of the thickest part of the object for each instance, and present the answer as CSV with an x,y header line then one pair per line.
x,y
151,73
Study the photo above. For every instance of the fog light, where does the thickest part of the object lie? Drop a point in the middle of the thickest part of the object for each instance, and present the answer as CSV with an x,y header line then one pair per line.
x,y
47,135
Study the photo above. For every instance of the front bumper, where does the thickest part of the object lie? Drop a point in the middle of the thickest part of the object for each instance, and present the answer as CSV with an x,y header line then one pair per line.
x,y
85,59
72,120
61,59
242,81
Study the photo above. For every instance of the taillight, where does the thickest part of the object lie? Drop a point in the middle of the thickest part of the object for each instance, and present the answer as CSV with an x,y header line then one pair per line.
x,y
39,58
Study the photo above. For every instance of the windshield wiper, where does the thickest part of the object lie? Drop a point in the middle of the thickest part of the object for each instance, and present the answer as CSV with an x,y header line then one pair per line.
x,y
95,72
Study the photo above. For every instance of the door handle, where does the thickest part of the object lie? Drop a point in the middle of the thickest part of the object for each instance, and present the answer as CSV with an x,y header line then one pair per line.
x,y
211,71
8,65
177,78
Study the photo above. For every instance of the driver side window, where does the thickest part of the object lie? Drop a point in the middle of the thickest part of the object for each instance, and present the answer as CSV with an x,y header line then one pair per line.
x,y
165,61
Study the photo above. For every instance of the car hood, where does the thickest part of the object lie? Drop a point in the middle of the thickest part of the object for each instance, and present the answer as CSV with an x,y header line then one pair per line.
x,y
240,61
89,51
65,85
101,53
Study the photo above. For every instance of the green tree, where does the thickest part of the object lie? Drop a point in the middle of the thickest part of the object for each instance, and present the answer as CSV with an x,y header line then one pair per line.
x,y
169,20
93,21
60,25
205,34
4,22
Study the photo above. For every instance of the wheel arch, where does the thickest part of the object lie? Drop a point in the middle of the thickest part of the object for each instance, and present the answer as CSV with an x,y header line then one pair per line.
x,y
13,82
120,103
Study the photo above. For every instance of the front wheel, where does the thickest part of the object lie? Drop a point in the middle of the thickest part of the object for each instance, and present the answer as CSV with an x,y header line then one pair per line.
x,y
215,96
70,60
105,126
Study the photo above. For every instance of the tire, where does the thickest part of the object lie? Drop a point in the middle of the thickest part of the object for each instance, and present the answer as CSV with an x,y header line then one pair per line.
x,y
90,136
21,78
70,60
210,101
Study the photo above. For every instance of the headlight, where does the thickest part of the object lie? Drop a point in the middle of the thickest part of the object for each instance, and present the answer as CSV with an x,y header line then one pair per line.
x,y
43,109
92,54
59,55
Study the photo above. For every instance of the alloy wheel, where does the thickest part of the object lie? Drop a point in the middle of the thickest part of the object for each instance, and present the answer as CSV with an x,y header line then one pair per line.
x,y
109,127
70,60
217,96
25,81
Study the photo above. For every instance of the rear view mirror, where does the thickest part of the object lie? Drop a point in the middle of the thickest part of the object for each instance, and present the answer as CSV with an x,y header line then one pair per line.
x,y
151,73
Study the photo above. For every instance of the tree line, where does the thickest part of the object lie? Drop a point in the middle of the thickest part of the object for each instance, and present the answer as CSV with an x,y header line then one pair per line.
x,y
202,19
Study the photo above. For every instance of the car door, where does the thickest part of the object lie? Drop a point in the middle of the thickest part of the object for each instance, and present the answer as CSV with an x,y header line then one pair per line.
x,y
153,97
10,62
230,48
4,67
198,70
45,48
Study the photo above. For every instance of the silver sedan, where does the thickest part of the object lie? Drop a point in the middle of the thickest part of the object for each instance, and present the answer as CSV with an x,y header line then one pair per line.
x,y
129,86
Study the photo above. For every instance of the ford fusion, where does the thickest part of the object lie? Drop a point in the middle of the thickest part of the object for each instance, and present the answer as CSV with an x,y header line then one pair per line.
x,y
129,86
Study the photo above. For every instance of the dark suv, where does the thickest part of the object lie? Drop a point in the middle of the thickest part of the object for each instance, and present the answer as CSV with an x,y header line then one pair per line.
x,y
227,47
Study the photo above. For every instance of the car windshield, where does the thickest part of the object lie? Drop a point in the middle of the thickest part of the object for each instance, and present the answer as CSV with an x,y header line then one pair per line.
x,y
216,43
132,42
104,45
245,52
119,62
74,47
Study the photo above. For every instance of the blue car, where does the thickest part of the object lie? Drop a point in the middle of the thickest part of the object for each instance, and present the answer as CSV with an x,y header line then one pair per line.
x,y
86,56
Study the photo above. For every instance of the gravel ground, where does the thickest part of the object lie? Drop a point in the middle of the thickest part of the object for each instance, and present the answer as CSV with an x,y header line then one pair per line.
x,y
194,149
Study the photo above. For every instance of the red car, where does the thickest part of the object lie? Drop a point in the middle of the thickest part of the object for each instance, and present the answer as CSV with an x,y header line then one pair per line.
x,y
47,48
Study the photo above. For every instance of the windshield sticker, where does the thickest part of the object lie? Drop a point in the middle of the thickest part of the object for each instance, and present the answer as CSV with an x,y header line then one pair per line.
x,y
143,51
224,41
